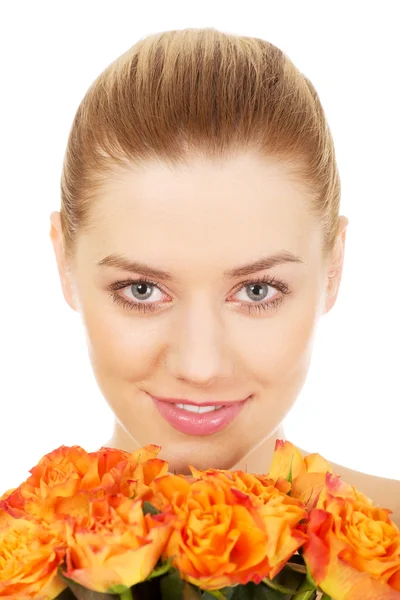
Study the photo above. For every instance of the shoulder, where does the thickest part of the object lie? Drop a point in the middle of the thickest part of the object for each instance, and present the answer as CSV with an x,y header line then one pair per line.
x,y
382,491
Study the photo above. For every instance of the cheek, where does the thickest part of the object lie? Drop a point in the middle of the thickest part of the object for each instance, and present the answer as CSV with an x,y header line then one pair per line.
x,y
120,345
280,347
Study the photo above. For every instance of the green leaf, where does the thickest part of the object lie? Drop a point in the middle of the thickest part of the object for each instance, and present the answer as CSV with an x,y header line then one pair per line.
x,y
306,591
118,589
160,570
309,595
149,508
225,593
251,591
277,587
190,592
309,578
171,586
126,595
228,592
211,594
290,476
289,578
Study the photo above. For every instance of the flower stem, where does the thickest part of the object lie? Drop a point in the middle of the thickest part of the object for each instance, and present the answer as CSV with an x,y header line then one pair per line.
x,y
216,594
277,587
127,595
296,567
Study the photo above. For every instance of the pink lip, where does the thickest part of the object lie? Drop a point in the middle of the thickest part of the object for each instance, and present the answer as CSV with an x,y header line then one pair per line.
x,y
198,424
209,403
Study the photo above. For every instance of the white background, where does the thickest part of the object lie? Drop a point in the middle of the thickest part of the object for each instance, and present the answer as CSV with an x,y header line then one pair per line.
x,y
50,54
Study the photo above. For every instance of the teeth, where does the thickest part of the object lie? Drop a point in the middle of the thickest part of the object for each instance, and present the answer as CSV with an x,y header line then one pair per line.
x,y
198,409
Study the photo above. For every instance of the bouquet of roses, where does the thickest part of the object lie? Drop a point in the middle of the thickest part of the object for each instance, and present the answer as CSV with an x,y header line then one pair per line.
x,y
110,525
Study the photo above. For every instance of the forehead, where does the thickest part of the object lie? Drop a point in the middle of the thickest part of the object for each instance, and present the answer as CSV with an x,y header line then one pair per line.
x,y
222,203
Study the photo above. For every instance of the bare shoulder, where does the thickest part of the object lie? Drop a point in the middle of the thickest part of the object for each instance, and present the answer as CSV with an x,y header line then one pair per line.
x,y
382,491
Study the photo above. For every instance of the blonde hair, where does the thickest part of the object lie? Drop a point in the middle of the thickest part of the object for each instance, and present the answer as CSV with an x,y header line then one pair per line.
x,y
198,91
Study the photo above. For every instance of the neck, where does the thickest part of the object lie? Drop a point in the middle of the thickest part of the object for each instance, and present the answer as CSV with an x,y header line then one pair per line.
x,y
256,461
259,459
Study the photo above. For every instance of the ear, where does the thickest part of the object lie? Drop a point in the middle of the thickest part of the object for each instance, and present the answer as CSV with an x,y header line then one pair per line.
x,y
335,266
62,266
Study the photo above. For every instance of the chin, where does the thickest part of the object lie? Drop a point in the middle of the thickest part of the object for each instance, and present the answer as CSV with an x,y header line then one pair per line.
x,y
203,454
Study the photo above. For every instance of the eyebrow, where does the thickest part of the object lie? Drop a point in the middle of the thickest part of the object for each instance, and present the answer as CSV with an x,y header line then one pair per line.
x,y
121,262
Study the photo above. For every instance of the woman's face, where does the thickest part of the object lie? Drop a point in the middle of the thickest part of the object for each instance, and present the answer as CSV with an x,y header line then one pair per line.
x,y
201,332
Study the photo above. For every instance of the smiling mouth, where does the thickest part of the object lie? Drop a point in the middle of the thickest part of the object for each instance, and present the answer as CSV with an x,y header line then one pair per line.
x,y
198,419
187,402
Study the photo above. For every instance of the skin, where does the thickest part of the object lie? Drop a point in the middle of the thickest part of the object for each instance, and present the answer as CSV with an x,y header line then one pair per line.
x,y
197,222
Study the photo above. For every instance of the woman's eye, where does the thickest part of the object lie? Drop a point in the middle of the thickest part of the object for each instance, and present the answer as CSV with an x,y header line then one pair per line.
x,y
253,296
144,292
256,292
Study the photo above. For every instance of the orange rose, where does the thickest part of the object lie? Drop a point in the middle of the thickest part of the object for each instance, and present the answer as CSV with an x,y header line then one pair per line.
x,y
169,489
30,554
256,485
132,477
224,537
54,487
57,475
114,544
354,547
308,474
7,493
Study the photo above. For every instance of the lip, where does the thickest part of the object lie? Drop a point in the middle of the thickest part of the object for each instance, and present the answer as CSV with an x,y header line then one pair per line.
x,y
192,403
198,424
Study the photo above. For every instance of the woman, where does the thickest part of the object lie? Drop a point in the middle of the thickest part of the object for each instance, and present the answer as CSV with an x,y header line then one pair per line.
x,y
200,240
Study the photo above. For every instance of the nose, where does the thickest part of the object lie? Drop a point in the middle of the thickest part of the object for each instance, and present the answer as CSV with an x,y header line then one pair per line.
x,y
198,351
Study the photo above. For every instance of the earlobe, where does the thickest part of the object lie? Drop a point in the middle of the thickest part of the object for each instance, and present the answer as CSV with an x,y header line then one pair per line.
x,y
65,279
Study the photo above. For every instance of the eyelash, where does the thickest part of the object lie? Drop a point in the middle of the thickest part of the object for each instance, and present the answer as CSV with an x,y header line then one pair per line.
x,y
256,307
